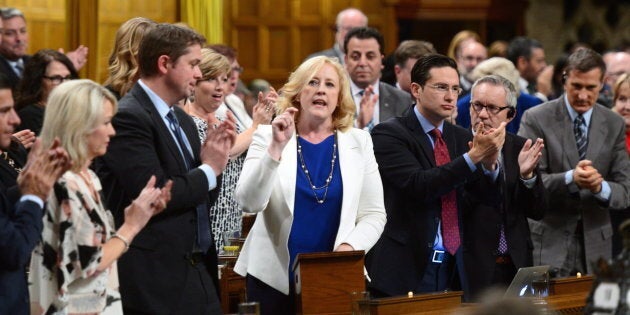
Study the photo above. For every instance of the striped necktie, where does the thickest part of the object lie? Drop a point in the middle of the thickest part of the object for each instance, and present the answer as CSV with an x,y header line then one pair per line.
x,y
580,135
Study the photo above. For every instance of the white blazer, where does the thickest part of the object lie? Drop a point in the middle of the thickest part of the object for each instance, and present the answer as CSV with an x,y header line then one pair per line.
x,y
268,186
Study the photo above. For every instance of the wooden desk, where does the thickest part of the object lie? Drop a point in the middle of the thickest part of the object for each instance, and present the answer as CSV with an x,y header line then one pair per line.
x,y
232,285
568,296
430,303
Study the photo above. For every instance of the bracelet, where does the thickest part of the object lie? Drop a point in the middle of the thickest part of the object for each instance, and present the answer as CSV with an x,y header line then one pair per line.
x,y
123,239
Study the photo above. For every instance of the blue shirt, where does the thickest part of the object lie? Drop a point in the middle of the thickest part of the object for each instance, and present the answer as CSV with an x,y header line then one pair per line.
x,y
315,225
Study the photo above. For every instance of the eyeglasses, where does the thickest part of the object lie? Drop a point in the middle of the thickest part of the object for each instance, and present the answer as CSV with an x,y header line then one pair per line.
x,y
238,69
492,109
443,88
57,79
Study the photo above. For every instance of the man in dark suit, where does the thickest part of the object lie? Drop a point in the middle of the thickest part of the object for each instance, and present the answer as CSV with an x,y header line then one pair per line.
x,y
375,101
21,222
424,164
497,240
347,19
171,267
585,169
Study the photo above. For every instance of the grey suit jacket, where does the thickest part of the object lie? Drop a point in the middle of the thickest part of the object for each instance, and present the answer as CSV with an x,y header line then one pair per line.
x,y
392,102
332,52
567,204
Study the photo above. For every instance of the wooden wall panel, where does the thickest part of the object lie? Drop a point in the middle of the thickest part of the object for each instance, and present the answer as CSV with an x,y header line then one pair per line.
x,y
45,22
112,13
47,25
274,36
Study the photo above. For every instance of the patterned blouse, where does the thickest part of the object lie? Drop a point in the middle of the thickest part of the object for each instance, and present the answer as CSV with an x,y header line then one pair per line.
x,y
63,275
225,214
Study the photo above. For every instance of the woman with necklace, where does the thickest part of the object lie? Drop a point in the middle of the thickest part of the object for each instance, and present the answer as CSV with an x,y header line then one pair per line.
x,y
73,269
209,94
314,180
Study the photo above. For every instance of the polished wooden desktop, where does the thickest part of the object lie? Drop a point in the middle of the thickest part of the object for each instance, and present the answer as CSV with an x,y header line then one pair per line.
x,y
567,296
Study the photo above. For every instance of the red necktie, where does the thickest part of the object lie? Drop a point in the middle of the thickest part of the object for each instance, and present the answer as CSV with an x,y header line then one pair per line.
x,y
450,224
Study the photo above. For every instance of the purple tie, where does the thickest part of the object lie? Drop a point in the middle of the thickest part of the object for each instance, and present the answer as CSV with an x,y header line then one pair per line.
x,y
450,224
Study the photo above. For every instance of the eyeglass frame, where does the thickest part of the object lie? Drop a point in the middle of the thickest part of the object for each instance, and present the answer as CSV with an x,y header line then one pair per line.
x,y
490,109
57,79
443,88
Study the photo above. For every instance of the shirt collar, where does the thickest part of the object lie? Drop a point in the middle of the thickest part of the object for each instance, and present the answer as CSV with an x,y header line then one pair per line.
x,y
572,113
425,124
355,89
161,106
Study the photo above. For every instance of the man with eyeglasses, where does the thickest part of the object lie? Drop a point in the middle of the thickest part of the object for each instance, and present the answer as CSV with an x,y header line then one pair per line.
x,y
346,20
497,233
469,55
425,163
585,169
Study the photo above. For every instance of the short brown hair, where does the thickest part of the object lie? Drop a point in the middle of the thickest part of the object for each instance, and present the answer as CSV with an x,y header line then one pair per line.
x,y
585,60
412,49
165,39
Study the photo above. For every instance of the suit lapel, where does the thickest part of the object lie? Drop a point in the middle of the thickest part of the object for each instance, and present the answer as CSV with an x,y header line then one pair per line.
x,y
565,132
158,122
450,139
190,131
411,121
597,133
288,171
385,109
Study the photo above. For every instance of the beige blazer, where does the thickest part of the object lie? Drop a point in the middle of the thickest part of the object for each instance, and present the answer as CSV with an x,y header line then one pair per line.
x,y
268,186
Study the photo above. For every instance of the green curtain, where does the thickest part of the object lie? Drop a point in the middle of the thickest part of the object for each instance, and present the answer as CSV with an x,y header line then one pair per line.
x,y
205,16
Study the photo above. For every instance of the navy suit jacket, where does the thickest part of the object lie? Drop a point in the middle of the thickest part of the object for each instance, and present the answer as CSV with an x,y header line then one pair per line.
x,y
7,70
413,185
155,270
20,230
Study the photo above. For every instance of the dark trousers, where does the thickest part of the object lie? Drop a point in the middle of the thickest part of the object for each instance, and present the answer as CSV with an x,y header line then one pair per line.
x,y
503,274
272,301
448,275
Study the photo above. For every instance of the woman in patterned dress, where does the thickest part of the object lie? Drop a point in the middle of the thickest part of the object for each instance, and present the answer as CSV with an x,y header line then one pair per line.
x,y
210,92
73,269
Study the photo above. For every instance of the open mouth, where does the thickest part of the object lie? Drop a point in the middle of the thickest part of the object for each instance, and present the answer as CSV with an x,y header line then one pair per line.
x,y
320,102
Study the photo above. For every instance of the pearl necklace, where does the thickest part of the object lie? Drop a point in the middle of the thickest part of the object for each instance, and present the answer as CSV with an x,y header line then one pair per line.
x,y
306,172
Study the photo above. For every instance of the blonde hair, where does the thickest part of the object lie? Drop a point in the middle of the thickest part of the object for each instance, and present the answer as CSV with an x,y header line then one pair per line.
x,y
458,39
624,78
343,116
213,64
123,63
499,66
73,110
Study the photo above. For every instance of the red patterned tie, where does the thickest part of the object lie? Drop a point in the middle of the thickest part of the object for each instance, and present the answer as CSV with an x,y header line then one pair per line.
x,y
450,225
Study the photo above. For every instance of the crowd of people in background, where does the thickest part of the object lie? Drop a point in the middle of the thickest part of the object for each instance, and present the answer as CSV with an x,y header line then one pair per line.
x,y
451,171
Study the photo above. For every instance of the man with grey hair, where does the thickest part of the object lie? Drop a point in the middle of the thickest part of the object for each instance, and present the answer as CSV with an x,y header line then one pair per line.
x,y
585,169
15,39
496,228
347,19
505,68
